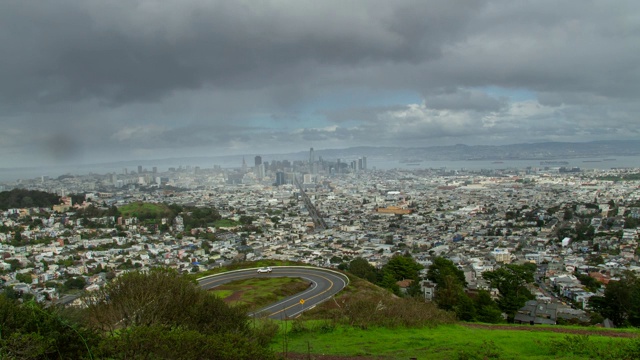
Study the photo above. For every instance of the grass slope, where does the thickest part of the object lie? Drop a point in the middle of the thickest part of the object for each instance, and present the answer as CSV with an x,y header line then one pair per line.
x,y
441,342
260,292
225,223
144,211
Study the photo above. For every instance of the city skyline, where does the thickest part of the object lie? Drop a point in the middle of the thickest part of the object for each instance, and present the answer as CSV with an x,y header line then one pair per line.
x,y
89,82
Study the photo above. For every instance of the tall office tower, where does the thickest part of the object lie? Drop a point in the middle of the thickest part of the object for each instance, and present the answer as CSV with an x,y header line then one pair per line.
x,y
364,163
280,178
155,169
311,156
244,164
338,167
259,171
139,169
258,160
125,171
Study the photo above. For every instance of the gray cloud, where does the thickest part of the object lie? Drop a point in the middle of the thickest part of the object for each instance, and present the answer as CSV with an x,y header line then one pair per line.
x,y
465,100
157,78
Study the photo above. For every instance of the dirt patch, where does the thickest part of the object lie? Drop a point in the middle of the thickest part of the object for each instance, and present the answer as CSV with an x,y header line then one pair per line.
x,y
295,356
236,296
559,329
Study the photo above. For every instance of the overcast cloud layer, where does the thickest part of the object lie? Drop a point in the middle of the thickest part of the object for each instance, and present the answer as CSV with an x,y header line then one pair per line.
x,y
90,81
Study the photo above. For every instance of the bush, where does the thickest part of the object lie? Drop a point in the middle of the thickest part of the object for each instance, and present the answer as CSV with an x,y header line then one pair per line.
x,y
367,311
30,331
164,298
156,342
164,315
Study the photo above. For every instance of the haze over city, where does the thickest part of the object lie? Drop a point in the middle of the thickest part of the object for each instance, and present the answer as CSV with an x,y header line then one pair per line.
x,y
90,81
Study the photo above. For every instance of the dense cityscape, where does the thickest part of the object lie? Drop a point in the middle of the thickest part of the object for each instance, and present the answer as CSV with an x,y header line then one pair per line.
x,y
570,223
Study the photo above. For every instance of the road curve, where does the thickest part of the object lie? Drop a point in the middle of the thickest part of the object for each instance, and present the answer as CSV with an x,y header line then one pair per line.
x,y
324,284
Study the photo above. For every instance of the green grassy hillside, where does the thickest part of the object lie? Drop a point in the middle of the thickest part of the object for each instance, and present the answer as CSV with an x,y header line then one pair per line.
x,y
145,211
367,322
257,293
455,341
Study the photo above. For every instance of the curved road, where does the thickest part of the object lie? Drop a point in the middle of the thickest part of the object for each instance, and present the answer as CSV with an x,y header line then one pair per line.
x,y
324,284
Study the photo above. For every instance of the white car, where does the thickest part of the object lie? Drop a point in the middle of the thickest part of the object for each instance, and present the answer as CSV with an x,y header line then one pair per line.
x,y
264,270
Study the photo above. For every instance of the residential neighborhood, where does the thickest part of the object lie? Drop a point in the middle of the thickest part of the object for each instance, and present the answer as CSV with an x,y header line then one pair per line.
x,y
571,225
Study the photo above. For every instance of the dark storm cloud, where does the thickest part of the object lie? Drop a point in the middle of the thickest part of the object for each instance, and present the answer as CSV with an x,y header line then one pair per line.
x,y
146,75
125,51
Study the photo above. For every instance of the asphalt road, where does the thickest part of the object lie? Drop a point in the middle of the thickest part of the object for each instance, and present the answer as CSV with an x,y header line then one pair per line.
x,y
324,284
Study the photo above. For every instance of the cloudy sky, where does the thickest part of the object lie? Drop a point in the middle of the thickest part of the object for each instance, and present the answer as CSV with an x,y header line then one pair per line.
x,y
93,81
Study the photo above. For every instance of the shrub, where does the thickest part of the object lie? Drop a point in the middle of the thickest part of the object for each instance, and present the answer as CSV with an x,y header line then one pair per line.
x,y
30,331
155,342
365,311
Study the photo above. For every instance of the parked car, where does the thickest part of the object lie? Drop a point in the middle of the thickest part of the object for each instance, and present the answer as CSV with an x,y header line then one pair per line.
x,y
264,270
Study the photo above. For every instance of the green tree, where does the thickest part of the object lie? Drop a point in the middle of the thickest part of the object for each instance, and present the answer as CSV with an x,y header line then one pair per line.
x,y
590,283
15,264
441,268
449,293
511,281
487,310
630,223
568,215
75,283
466,309
25,278
19,198
402,267
389,282
31,331
450,283
361,268
621,301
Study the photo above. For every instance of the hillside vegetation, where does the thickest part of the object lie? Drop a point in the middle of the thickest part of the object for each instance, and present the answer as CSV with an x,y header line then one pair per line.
x,y
450,342
146,211
20,198
164,315
156,315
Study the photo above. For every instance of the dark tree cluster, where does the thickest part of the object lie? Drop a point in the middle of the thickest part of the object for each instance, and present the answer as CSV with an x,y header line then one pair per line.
x,y
621,301
450,295
511,281
20,198
399,267
199,217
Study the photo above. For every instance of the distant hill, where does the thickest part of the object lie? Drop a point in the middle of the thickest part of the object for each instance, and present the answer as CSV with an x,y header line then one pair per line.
x,y
529,151
533,151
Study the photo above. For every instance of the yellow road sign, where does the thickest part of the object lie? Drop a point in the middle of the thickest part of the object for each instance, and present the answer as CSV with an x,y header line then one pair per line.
x,y
301,301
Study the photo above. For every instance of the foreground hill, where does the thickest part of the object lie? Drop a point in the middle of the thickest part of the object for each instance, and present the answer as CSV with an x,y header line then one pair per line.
x,y
456,341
